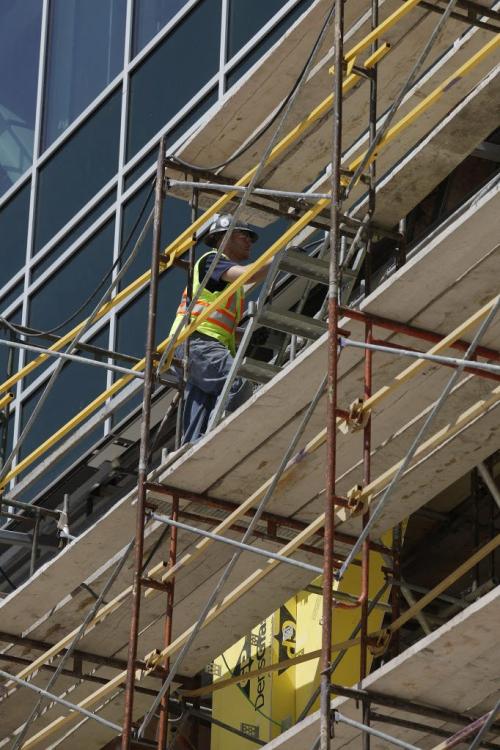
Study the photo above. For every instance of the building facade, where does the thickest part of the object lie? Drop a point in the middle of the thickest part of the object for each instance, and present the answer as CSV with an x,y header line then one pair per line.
x,y
92,85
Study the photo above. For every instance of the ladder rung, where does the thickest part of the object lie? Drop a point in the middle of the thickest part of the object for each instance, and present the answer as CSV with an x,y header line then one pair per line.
x,y
294,323
258,372
301,264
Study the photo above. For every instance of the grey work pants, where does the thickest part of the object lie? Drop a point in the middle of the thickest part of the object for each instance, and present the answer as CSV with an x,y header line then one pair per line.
x,y
208,367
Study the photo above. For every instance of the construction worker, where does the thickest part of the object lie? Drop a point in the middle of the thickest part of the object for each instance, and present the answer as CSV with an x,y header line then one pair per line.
x,y
213,345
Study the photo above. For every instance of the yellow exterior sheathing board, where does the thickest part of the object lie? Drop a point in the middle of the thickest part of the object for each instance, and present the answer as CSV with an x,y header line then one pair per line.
x,y
262,707
266,706
309,612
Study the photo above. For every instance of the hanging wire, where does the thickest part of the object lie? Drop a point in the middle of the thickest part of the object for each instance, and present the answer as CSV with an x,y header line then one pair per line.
x,y
248,190
282,107
107,275
72,345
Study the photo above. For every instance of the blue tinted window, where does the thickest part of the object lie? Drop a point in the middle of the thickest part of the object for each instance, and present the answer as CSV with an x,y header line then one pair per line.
x,y
73,235
176,132
65,291
173,73
246,19
76,386
6,300
13,233
150,16
132,321
86,41
78,170
9,357
19,49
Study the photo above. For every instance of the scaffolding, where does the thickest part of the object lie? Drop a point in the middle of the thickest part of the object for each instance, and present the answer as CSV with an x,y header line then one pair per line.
x,y
320,539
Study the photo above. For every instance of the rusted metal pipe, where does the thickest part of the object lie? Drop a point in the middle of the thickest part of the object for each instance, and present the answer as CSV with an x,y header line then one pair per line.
x,y
365,570
415,332
168,625
144,450
333,324
287,523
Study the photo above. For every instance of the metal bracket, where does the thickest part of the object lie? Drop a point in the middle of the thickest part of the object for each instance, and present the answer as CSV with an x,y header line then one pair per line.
x,y
355,502
151,659
357,419
381,645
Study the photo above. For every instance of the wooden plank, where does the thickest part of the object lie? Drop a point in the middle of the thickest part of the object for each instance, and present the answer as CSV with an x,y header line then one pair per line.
x,y
442,150
463,281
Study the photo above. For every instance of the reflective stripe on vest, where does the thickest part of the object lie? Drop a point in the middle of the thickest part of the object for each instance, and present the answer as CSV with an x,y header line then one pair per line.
x,y
223,320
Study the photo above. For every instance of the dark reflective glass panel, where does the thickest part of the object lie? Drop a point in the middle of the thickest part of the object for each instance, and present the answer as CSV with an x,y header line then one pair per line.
x,y
9,356
20,24
65,292
85,53
76,386
7,299
266,43
246,18
173,73
13,233
73,235
86,162
150,16
176,132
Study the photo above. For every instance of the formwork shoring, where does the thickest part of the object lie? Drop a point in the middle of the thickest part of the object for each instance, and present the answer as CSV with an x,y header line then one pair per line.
x,y
166,663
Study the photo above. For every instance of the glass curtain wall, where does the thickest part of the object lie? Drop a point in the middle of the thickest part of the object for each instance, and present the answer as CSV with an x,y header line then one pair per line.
x,y
20,26
108,77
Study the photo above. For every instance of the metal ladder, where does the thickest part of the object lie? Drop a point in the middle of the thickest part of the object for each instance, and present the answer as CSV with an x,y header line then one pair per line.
x,y
262,313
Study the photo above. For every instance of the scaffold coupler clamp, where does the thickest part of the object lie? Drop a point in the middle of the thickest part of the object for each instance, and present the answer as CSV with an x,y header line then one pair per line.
x,y
357,419
379,646
356,501
347,67
63,523
151,659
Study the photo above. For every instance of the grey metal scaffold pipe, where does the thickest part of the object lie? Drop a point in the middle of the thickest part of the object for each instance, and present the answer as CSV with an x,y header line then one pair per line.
x,y
417,440
57,699
239,545
455,361
256,191
375,732
72,358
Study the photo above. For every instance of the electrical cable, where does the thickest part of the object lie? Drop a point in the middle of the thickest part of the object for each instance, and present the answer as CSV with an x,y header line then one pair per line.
x,y
294,442
15,329
245,147
71,346
7,578
248,190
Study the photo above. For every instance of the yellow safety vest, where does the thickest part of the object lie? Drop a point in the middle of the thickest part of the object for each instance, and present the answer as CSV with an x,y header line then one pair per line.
x,y
223,321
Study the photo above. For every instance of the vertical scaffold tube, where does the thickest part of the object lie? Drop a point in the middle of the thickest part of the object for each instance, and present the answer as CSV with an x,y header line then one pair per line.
x,y
167,630
333,313
367,442
144,450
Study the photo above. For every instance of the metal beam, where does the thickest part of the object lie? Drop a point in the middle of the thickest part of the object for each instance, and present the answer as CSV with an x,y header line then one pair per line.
x,y
61,701
25,539
391,701
375,732
234,543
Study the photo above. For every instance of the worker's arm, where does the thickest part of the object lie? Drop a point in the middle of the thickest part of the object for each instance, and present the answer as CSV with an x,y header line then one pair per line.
x,y
236,271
